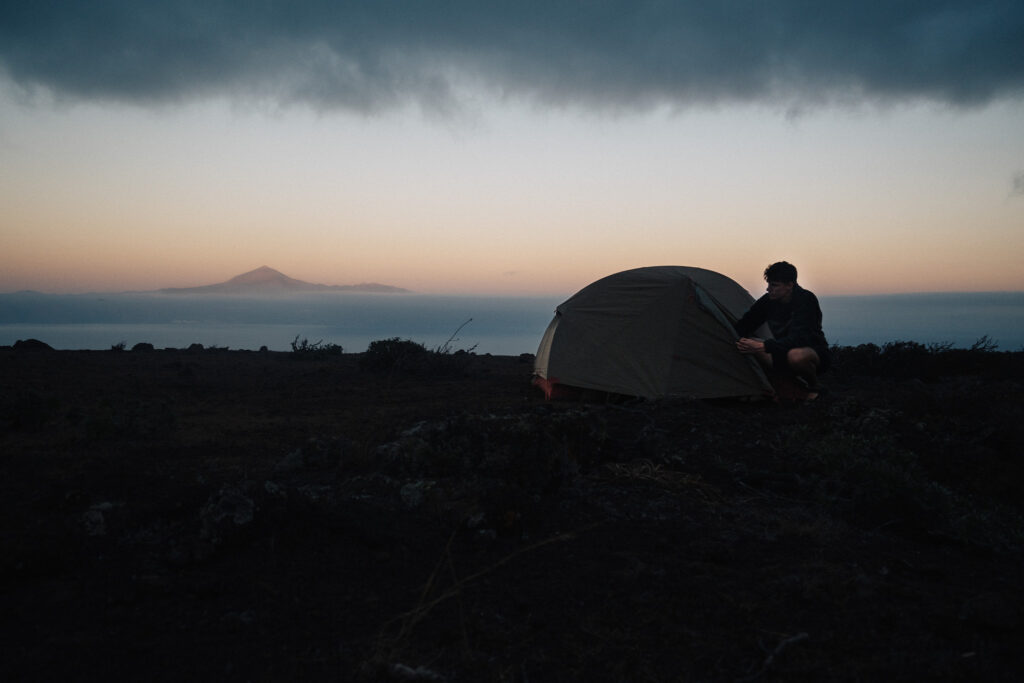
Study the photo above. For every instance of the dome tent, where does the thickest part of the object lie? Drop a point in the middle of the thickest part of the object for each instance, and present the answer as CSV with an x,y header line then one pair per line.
x,y
652,332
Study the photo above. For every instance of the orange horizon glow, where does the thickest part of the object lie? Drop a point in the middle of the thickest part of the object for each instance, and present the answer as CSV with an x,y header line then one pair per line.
x,y
108,199
81,279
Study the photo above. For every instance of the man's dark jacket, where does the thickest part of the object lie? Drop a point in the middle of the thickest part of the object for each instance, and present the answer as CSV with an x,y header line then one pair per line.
x,y
794,324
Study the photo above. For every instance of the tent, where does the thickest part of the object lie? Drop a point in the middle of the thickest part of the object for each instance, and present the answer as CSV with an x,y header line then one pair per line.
x,y
651,332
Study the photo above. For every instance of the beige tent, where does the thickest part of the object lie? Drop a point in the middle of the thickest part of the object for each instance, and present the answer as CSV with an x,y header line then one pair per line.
x,y
651,332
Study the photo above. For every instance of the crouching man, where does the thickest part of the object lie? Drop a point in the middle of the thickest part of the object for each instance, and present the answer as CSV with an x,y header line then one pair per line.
x,y
794,317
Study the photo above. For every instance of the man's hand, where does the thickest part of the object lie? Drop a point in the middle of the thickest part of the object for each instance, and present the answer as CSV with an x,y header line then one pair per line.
x,y
748,345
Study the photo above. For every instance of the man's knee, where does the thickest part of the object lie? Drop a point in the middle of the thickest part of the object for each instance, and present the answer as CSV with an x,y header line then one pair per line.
x,y
803,357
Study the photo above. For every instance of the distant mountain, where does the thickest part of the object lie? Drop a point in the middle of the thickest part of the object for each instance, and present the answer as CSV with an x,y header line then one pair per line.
x,y
265,280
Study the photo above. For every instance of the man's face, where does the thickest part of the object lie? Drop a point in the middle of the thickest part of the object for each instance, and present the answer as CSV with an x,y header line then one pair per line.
x,y
780,291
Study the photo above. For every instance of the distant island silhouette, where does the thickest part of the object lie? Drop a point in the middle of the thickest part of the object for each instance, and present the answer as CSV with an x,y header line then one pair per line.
x,y
266,280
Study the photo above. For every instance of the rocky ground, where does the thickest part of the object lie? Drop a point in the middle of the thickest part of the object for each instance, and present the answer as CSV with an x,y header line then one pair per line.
x,y
231,515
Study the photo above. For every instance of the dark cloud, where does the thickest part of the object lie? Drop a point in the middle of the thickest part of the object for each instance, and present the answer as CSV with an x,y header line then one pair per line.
x,y
615,53
1018,184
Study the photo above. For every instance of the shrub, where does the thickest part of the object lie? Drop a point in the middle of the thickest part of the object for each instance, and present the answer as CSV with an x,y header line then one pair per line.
x,y
913,360
446,349
304,350
985,344
394,353
405,355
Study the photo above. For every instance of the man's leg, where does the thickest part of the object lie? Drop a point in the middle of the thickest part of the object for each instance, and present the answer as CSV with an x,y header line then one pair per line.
x,y
764,359
804,362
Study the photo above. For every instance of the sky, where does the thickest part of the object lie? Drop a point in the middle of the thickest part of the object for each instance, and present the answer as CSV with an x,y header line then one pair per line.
x,y
511,148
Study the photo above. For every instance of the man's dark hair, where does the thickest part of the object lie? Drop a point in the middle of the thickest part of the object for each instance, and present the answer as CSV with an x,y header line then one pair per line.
x,y
780,272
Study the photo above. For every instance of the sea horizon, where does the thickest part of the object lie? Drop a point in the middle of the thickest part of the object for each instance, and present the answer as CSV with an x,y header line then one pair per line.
x,y
499,325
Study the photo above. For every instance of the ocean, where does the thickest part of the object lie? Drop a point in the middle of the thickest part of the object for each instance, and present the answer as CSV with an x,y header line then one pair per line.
x,y
495,325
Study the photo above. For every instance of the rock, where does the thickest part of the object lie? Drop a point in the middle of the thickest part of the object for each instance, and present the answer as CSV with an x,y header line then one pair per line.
x,y
143,346
94,523
225,512
274,489
291,462
401,672
414,493
315,454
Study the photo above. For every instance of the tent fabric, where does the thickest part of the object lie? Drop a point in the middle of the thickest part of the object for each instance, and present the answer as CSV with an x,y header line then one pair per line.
x,y
652,332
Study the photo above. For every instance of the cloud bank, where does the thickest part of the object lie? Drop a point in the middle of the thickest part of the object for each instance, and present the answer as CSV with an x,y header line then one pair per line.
x,y
369,56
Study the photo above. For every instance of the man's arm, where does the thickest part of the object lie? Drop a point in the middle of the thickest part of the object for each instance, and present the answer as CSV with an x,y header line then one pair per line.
x,y
752,319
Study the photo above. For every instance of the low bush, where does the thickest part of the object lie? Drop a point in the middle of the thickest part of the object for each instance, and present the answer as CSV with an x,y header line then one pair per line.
x,y
927,362
393,353
305,350
404,355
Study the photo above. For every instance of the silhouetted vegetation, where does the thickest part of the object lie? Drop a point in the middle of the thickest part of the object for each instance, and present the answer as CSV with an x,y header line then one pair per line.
x,y
912,360
305,350
399,356
373,516
393,354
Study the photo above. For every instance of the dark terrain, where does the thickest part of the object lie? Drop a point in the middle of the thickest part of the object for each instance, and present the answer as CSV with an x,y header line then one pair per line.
x,y
231,515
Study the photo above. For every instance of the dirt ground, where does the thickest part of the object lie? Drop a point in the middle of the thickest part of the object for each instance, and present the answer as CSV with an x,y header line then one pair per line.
x,y
251,516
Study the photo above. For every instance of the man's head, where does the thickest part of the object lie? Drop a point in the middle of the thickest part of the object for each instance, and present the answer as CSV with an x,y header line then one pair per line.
x,y
781,278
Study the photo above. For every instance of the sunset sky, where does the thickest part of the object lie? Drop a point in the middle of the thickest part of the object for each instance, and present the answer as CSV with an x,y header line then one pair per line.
x,y
514,147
